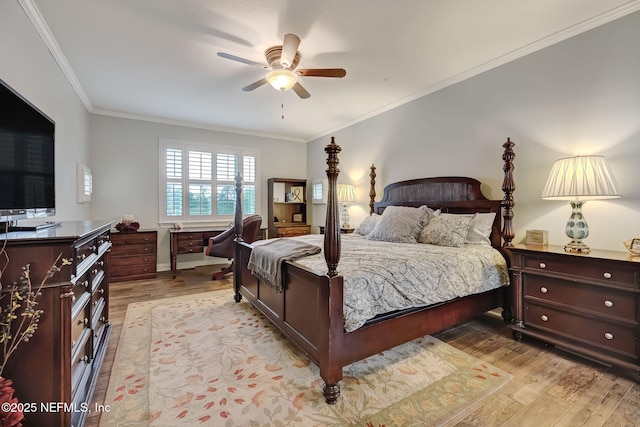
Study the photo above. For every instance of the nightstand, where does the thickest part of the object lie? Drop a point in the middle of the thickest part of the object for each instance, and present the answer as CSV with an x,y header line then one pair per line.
x,y
342,230
586,303
133,255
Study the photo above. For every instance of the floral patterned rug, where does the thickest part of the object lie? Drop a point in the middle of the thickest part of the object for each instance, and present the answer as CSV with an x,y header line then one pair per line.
x,y
206,360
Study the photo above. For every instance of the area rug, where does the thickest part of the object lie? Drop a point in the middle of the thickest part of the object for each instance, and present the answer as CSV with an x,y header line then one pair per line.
x,y
207,360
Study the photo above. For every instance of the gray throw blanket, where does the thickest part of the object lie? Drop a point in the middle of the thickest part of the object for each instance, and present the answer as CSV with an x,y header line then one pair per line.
x,y
267,256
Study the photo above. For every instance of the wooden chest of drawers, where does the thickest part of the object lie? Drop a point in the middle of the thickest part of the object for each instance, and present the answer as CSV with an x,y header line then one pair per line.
x,y
133,255
586,303
61,363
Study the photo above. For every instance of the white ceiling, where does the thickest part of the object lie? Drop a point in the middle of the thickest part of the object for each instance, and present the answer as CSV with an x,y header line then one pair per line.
x,y
157,59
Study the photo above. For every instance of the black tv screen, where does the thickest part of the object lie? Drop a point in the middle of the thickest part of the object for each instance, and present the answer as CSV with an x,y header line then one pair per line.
x,y
27,178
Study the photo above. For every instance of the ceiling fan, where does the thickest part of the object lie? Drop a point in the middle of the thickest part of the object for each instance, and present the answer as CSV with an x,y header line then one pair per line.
x,y
283,74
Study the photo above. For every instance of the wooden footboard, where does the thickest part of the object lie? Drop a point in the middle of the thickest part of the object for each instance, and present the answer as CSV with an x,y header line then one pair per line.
x,y
309,309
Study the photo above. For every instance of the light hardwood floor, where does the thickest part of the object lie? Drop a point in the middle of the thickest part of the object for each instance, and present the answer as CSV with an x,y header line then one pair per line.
x,y
549,387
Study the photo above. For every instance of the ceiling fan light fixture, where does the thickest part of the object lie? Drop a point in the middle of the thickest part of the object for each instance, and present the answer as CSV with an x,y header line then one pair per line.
x,y
282,79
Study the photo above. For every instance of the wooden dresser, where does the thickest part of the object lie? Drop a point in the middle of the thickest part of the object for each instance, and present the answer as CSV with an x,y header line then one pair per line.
x,y
133,255
585,303
59,366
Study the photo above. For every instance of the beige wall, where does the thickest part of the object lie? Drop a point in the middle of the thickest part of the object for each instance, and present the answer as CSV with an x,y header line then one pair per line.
x,y
581,96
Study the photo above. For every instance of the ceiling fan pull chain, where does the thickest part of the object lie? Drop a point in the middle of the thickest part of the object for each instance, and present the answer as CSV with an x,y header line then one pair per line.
x,y
282,104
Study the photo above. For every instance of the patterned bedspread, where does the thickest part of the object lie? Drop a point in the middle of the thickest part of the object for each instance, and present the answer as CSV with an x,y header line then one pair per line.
x,y
380,277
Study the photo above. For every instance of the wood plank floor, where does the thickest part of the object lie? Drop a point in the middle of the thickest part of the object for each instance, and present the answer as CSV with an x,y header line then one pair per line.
x,y
549,388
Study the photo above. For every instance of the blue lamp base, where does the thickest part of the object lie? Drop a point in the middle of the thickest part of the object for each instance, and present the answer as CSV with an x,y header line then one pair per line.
x,y
577,229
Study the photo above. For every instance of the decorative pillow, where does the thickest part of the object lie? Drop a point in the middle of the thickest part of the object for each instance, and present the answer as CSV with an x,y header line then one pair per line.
x,y
446,230
399,224
480,229
367,225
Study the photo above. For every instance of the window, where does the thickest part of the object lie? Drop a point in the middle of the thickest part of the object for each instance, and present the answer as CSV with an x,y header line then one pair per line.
x,y
198,181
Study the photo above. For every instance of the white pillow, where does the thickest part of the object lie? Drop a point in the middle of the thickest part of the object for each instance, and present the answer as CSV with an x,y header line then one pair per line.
x,y
446,230
399,224
480,229
367,225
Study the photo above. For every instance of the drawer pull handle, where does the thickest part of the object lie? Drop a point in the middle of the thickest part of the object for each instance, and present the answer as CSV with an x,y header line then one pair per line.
x,y
543,265
85,321
607,275
85,283
608,335
608,303
544,317
544,290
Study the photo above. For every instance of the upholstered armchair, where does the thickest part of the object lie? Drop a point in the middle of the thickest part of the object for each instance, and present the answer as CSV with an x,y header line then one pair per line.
x,y
223,245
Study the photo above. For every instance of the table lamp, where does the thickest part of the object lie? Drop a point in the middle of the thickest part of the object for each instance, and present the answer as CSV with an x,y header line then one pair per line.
x,y
579,179
346,196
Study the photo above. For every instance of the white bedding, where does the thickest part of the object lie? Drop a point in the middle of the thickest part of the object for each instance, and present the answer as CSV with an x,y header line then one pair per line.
x,y
380,277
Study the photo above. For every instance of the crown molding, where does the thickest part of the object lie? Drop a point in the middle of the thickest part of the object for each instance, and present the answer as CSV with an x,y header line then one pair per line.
x,y
194,125
567,33
41,26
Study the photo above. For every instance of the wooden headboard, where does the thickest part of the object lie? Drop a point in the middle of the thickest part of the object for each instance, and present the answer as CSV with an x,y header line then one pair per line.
x,y
451,194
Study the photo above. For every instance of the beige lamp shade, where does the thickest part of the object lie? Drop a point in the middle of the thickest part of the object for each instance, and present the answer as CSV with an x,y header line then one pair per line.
x,y
346,196
581,178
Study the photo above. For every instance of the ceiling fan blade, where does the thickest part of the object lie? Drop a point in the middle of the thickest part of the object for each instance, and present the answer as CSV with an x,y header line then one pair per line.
x,y
289,49
254,85
302,92
243,60
322,72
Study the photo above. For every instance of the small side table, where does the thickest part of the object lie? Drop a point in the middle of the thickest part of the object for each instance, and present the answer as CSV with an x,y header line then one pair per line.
x,y
342,230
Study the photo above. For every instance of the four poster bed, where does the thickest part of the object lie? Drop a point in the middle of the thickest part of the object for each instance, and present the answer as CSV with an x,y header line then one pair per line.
x,y
309,307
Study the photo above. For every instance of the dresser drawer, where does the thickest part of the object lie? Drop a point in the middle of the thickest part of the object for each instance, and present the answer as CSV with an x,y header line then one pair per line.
x,y
98,324
132,271
79,324
80,358
125,250
621,305
190,248
625,274
134,260
184,239
294,231
605,335
133,238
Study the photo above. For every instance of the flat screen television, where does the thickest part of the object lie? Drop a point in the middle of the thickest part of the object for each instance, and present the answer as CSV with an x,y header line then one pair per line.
x,y
27,178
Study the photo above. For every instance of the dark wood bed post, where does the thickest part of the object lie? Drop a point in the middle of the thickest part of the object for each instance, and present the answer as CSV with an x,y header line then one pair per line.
x,y
332,223
238,228
508,187
372,189
331,345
